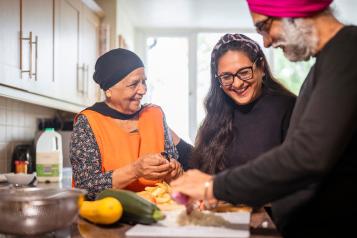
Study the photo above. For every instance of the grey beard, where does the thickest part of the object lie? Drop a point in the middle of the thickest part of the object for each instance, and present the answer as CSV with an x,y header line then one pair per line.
x,y
299,39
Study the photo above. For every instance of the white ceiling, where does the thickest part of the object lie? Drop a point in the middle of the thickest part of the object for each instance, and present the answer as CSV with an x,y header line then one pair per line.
x,y
188,13
206,13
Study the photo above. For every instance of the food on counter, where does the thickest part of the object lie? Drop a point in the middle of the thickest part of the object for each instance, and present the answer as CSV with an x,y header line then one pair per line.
x,y
103,211
161,196
147,196
200,218
136,209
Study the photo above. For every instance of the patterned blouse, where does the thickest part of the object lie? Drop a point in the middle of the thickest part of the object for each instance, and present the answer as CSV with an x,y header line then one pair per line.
x,y
86,159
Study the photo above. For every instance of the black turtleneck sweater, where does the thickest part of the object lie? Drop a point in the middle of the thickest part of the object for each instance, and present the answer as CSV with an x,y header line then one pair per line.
x,y
258,127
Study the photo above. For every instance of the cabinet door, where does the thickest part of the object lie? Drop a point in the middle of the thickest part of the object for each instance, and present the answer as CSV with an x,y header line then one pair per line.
x,y
89,53
68,73
10,44
37,22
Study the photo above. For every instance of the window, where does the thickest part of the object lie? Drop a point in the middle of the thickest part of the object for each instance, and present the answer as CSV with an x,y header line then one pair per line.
x,y
167,70
290,74
205,44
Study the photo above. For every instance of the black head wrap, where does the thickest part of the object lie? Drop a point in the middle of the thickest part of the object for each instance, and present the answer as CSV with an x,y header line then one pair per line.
x,y
114,65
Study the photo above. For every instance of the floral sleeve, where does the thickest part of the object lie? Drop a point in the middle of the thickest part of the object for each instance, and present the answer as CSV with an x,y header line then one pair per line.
x,y
86,160
170,147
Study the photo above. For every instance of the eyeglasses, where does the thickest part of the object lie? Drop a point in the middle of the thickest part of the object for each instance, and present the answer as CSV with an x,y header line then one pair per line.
x,y
263,27
244,74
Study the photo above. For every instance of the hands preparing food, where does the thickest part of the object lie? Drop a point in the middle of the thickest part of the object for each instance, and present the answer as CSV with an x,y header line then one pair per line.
x,y
156,166
151,166
195,184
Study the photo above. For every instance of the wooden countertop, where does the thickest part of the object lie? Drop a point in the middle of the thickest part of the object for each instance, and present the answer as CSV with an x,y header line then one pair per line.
x,y
261,226
84,229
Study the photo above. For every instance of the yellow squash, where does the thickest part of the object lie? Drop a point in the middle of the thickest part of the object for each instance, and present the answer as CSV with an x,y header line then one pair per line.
x,y
103,211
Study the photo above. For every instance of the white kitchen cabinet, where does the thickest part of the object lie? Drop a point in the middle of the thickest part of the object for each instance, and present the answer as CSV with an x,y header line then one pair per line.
x,y
26,36
36,49
49,49
9,44
89,49
76,50
67,73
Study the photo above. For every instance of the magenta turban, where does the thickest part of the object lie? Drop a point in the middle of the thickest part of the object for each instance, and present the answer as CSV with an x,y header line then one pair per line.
x,y
288,8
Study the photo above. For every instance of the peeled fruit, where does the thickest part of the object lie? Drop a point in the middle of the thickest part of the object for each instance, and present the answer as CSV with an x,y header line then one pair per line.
x,y
165,198
146,195
103,211
160,194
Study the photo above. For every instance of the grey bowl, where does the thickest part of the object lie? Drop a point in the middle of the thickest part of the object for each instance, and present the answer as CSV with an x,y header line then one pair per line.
x,y
33,211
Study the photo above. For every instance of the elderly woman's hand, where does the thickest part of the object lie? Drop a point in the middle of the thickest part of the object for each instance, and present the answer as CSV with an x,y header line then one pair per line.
x,y
152,166
176,171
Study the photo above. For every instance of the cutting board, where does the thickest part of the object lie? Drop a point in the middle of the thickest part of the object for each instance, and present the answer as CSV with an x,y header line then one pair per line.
x,y
167,228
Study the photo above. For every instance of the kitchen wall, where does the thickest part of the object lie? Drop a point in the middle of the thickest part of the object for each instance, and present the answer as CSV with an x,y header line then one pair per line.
x,y
125,27
110,20
345,11
18,124
119,22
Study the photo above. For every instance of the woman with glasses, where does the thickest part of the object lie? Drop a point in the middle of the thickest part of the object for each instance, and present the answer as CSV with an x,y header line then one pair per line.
x,y
120,143
248,111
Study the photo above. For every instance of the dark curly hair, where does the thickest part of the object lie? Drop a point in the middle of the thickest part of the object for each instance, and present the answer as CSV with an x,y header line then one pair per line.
x,y
216,131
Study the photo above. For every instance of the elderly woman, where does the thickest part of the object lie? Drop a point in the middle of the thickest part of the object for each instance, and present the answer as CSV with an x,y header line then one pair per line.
x,y
118,143
248,111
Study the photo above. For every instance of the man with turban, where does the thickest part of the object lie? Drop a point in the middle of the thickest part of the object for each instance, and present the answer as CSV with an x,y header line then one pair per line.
x,y
311,178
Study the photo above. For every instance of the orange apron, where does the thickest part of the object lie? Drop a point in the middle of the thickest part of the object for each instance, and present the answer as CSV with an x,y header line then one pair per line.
x,y
119,148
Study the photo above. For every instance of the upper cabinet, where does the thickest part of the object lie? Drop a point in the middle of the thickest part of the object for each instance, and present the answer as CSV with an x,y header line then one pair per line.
x,y
36,45
67,34
49,48
89,52
76,50
26,36
10,73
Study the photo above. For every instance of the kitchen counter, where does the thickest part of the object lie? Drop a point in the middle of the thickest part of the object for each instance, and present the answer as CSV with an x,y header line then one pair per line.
x,y
84,229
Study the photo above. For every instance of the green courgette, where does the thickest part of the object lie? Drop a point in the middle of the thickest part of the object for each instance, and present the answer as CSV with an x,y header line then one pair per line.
x,y
136,209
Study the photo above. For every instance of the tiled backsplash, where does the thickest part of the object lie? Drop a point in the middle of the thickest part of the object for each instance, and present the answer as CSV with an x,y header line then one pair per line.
x,y
18,124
